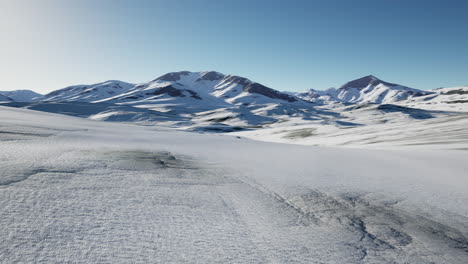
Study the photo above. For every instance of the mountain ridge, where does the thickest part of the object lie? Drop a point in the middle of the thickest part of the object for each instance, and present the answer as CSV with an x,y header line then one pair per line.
x,y
21,95
212,89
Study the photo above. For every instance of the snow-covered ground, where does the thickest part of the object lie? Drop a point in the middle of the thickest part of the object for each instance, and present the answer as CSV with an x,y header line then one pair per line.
x,y
86,191
371,126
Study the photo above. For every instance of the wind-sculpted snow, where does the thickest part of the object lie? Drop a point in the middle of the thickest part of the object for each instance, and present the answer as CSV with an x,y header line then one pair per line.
x,y
84,191
386,233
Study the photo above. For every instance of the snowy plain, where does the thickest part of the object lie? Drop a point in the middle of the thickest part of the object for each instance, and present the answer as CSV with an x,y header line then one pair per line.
x,y
75,190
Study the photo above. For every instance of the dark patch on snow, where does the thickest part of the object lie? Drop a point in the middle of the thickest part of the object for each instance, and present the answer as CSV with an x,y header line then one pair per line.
x,y
268,92
412,112
300,133
193,94
221,119
146,161
174,92
460,92
237,79
345,123
457,102
218,128
167,90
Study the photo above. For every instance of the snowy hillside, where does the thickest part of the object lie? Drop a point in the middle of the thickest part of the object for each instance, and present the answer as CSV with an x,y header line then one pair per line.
x,y
448,99
84,191
89,93
368,89
22,95
371,126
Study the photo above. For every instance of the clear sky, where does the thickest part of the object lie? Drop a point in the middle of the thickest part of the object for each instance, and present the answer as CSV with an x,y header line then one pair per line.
x,y
287,45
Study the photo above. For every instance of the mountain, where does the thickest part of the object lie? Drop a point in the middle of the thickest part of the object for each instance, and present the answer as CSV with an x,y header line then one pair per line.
x,y
21,95
368,89
89,92
206,89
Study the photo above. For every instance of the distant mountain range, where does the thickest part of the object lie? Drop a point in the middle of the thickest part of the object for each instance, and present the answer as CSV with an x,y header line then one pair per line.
x,y
214,101
218,89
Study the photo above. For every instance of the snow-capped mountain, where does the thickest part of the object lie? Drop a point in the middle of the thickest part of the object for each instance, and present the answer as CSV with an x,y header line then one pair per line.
x,y
89,93
368,89
201,88
21,95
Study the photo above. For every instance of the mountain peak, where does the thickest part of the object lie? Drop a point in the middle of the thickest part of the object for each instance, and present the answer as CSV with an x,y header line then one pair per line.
x,y
172,76
364,82
210,76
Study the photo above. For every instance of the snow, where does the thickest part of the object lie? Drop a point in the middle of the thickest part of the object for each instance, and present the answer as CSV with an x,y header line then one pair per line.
x,y
86,191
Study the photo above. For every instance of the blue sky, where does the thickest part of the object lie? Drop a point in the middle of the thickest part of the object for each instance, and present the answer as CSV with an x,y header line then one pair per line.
x,y
287,45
